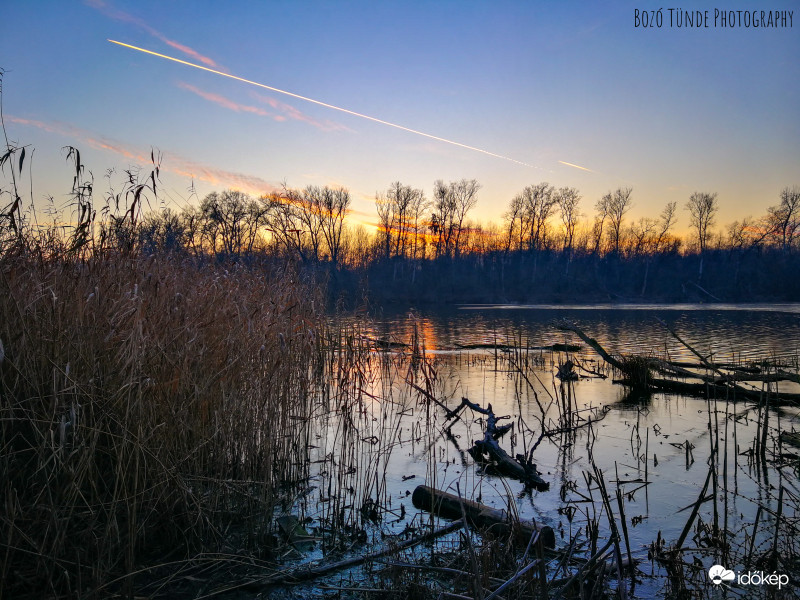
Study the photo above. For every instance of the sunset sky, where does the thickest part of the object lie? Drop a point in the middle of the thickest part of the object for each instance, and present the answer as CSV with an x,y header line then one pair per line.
x,y
572,90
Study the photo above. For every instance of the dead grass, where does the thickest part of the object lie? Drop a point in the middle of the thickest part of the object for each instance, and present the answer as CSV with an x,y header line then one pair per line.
x,y
148,408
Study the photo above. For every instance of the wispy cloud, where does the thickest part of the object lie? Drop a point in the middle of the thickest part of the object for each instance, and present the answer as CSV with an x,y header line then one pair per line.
x,y
120,15
225,102
60,128
283,112
297,115
172,163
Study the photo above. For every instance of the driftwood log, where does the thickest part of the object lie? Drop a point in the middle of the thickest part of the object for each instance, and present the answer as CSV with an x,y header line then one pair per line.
x,y
448,506
638,372
489,453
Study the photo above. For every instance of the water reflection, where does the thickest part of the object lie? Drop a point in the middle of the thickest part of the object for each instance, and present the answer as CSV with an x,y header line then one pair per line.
x,y
728,333
655,448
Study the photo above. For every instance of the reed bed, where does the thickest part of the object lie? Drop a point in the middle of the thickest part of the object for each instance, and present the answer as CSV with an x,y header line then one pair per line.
x,y
150,409
158,413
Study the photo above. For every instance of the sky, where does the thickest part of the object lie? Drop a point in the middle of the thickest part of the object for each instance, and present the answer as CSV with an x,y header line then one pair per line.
x,y
570,93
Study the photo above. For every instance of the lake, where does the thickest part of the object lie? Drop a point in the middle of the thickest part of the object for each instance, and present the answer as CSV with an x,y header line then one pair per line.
x,y
392,438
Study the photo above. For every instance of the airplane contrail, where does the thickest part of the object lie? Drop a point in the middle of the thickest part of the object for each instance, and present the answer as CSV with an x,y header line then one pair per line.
x,y
325,104
575,166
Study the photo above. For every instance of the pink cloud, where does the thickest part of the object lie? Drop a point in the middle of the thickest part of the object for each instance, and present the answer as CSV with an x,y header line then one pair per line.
x,y
120,15
293,113
193,53
171,163
288,112
225,102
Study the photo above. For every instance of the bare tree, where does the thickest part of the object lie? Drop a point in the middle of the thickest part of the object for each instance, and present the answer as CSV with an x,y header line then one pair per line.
x,y
162,231
400,209
399,196
643,236
650,236
443,217
784,219
284,224
451,203
465,197
618,206
356,246
528,216
666,222
417,209
308,206
740,234
231,221
568,200
292,217
538,202
308,223
513,218
603,206
192,224
385,210
333,209
702,209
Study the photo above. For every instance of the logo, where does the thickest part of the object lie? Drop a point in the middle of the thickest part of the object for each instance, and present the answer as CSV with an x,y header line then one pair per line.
x,y
718,574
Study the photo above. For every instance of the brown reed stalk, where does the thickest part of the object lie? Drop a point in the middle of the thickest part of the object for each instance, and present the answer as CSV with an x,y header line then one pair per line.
x,y
146,406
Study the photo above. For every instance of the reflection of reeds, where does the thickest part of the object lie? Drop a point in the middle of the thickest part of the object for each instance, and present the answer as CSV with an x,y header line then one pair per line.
x,y
367,400
768,544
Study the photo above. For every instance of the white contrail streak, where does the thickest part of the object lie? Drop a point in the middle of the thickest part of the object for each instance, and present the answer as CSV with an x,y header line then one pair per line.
x,y
575,166
325,104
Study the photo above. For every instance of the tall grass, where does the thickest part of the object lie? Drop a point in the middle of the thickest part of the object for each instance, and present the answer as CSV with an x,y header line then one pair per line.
x,y
151,407
147,406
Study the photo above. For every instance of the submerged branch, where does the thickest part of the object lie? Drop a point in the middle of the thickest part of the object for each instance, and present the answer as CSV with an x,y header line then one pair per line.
x,y
307,572
636,371
488,451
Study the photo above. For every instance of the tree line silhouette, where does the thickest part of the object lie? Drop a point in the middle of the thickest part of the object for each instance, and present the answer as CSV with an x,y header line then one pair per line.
x,y
545,249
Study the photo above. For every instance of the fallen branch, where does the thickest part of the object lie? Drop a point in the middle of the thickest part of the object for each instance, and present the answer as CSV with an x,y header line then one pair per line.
x,y
304,573
448,506
534,563
584,570
428,395
722,384
487,451
594,344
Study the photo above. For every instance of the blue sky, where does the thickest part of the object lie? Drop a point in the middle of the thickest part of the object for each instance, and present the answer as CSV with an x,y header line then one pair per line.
x,y
665,111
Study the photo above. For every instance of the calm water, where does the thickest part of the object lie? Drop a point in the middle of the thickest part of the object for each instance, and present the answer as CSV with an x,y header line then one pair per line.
x,y
631,438
726,331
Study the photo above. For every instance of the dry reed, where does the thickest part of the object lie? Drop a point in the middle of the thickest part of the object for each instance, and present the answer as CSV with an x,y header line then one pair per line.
x,y
149,408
